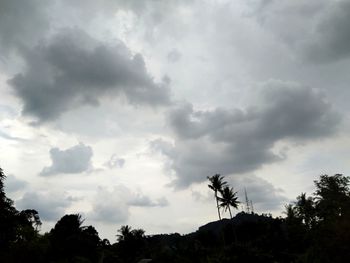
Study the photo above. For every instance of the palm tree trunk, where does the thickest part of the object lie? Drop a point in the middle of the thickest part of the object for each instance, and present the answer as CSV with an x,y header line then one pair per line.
x,y
217,205
229,209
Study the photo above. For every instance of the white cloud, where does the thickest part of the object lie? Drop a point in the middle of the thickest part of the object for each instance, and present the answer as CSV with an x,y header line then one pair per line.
x,y
115,162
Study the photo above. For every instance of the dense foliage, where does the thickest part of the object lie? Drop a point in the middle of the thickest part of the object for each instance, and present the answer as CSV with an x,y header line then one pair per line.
x,y
316,229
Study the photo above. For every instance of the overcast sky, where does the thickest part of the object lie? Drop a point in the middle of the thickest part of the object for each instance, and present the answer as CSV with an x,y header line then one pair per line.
x,y
120,109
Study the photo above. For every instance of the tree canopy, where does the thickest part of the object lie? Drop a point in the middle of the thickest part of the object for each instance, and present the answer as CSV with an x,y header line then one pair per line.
x,y
316,229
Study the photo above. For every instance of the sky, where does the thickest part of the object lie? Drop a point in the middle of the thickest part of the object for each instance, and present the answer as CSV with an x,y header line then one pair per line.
x,y
120,109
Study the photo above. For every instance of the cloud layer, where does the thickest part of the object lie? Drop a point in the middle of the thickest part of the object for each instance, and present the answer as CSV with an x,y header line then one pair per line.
x,y
236,141
73,69
323,24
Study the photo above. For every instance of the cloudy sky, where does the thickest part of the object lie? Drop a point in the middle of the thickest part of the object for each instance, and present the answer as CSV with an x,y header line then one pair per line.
x,y
120,109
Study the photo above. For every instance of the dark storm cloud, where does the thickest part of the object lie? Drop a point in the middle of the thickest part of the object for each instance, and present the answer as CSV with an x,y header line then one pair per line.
x,y
51,206
236,141
72,69
76,159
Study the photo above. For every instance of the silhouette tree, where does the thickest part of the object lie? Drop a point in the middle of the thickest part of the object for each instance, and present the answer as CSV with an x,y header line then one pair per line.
x,y
130,243
290,212
332,196
138,233
8,216
228,198
70,240
305,209
216,184
28,224
31,216
124,233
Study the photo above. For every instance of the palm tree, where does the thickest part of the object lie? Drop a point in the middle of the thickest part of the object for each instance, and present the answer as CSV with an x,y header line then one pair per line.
x,y
216,184
228,198
125,233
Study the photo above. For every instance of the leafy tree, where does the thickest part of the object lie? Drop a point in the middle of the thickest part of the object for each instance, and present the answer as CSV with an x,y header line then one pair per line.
x,y
305,209
228,198
18,231
290,212
32,217
130,243
8,216
28,224
71,240
318,227
332,196
138,233
217,184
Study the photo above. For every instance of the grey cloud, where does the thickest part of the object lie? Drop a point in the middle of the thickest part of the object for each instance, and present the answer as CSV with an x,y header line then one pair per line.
x,y
115,162
108,6
120,199
298,16
13,184
174,56
144,201
264,196
193,160
72,69
76,159
318,31
198,196
51,206
110,206
237,141
21,22
332,35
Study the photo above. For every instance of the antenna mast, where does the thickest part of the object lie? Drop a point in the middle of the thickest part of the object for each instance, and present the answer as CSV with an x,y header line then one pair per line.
x,y
247,201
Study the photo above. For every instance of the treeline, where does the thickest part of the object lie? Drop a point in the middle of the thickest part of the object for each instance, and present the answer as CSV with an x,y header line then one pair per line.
x,y
315,228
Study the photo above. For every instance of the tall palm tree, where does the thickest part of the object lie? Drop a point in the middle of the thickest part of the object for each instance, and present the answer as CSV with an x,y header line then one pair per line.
x,y
216,184
228,198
